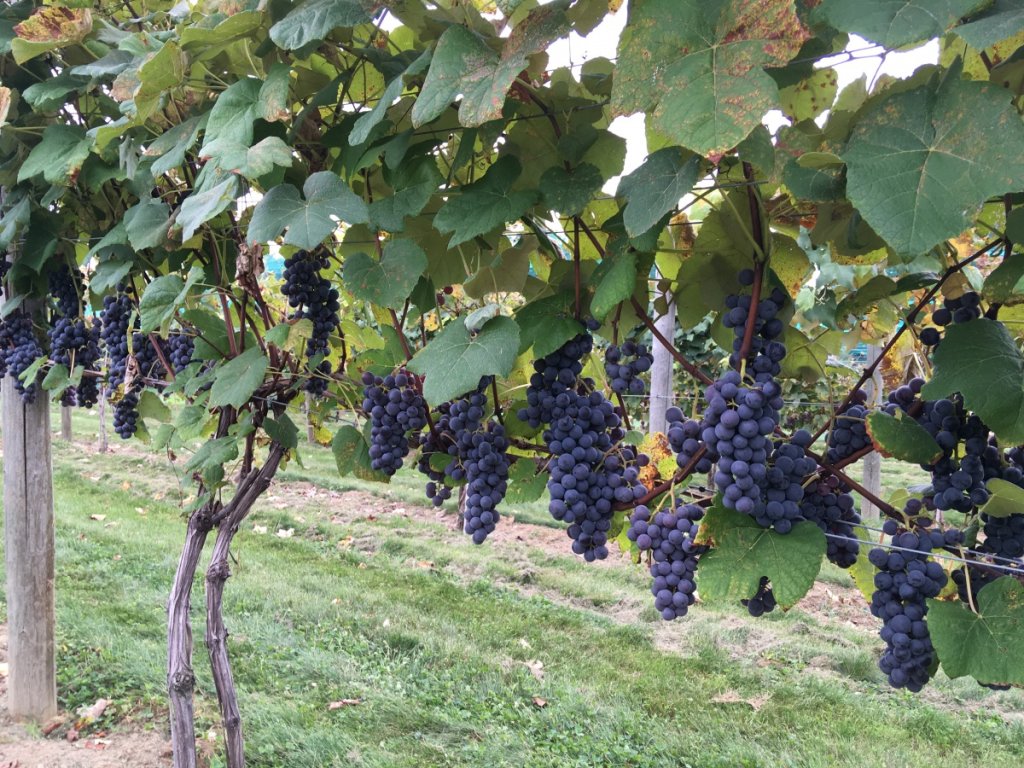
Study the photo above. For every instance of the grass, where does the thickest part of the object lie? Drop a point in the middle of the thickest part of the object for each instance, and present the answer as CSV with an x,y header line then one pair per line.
x,y
438,640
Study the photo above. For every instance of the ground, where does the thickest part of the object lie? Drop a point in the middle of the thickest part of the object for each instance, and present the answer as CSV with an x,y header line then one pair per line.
x,y
368,631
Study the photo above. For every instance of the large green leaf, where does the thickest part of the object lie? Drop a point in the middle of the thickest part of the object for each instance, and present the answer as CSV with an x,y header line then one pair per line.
x,y
569,191
987,645
895,23
389,282
1006,498
981,361
59,156
328,201
1005,283
1000,21
921,163
234,113
654,189
161,72
697,66
163,297
615,281
314,20
239,378
413,182
743,552
901,437
146,223
352,455
464,64
486,204
201,206
455,360
370,120
546,324
251,162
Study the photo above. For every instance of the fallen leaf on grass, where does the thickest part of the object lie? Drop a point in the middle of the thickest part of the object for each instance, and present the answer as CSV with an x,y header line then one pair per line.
x,y
98,518
539,703
536,667
731,697
140,510
52,725
424,564
94,711
259,529
71,735
342,703
285,533
345,543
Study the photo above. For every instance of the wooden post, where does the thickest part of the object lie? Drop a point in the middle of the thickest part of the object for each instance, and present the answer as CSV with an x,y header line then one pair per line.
x,y
661,368
872,468
310,429
65,423
101,439
29,554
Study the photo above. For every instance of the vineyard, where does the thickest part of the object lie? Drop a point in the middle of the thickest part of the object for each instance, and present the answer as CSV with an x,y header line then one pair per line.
x,y
476,291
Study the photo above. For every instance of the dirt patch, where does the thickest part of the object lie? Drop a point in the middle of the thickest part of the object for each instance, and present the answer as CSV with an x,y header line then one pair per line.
x,y
127,748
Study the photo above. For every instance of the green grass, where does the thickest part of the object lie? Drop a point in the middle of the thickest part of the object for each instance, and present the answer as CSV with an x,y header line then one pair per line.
x,y
348,608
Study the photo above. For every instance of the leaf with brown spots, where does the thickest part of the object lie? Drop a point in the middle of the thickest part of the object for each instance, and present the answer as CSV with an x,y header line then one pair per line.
x,y
697,67
50,27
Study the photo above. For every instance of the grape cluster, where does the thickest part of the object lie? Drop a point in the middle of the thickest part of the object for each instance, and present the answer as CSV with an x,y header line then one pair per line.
x,y
828,504
906,578
396,409
788,468
670,537
180,348
126,414
439,441
766,353
553,375
73,341
684,437
849,432
313,297
115,319
623,366
962,309
19,349
737,423
763,600
1004,536
589,468
485,458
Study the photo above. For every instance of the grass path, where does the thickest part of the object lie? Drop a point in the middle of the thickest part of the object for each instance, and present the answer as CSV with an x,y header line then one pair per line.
x,y
511,654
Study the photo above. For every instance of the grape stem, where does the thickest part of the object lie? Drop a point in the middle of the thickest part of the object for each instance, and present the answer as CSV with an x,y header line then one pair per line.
x,y
869,370
685,364
661,488
755,291
888,509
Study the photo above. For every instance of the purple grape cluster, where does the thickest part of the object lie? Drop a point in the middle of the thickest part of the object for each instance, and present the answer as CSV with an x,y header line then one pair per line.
x,y
485,458
828,504
684,437
849,432
19,349
906,578
73,341
763,600
624,365
670,538
766,353
313,297
962,309
396,409
181,347
115,319
554,375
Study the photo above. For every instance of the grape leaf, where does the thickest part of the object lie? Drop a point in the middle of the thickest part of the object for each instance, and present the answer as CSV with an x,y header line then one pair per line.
x,y
50,27
369,120
1006,498
212,455
201,206
455,360
486,204
283,430
902,438
697,67
654,189
234,113
239,378
59,156
314,20
981,361
352,455
1005,283
152,406
546,324
147,222
569,192
328,201
463,63
894,23
163,297
525,483
988,645
743,552
1001,20
920,164
250,162
615,278
389,282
